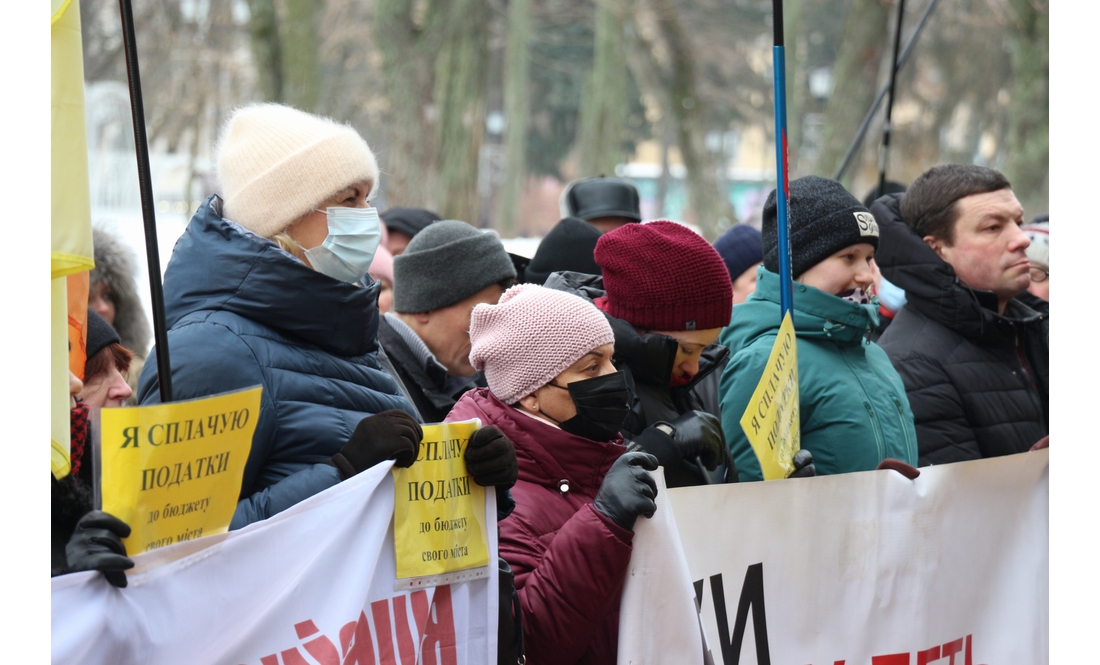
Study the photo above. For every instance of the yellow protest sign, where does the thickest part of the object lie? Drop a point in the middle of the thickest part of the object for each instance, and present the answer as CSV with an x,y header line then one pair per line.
x,y
439,512
173,471
771,419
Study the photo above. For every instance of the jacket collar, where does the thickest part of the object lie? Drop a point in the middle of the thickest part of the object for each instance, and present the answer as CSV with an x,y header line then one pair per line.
x,y
933,289
817,315
546,454
219,265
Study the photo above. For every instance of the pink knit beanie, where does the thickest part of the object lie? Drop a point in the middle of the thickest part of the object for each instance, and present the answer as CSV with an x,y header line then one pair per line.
x,y
532,335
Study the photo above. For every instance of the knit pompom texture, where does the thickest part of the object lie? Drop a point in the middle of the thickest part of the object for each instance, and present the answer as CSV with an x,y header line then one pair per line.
x,y
276,163
532,335
663,276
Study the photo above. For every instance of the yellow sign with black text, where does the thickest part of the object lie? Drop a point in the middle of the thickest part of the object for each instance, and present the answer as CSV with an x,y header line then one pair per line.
x,y
173,471
439,511
771,419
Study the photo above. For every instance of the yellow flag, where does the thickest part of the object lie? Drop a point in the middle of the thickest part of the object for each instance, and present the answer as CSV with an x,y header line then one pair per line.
x,y
71,221
771,420
71,249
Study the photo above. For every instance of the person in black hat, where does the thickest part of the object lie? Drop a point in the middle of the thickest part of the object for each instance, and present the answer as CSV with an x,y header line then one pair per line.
x,y
403,224
570,245
107,368
605,203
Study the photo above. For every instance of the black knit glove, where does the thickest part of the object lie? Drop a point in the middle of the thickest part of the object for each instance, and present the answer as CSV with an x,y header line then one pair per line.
x,y
628,490
96,544
695,433
803,465
391,434
491,458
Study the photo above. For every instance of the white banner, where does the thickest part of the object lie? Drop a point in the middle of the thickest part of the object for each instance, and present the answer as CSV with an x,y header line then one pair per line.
x,y
313,585
869,568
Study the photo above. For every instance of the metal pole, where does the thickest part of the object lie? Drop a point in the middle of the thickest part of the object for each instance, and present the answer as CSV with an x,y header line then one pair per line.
x,y
782,186
152,254
862,131
884,152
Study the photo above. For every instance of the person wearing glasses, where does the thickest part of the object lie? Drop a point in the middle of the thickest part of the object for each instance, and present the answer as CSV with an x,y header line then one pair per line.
x,y
971,343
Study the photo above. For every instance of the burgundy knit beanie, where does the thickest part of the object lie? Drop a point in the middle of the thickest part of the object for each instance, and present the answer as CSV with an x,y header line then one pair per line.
x,y
663,276
532,335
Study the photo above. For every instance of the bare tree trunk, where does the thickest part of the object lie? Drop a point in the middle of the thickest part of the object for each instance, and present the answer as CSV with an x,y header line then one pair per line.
x,y
267,48
1028,160
516,111
301,58
674,81
461,75
856,74
603,103
408,162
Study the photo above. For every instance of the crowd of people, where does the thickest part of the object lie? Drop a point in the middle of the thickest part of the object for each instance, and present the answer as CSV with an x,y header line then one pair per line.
x,y
921,320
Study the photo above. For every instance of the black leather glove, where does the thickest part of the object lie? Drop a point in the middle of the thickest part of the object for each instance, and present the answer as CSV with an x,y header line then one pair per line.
x,y
391,434
803,465
693,433
628,490
491,458
96,544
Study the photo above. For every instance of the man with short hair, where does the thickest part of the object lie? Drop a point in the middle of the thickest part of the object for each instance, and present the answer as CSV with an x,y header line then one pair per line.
x,y
446,269
971,344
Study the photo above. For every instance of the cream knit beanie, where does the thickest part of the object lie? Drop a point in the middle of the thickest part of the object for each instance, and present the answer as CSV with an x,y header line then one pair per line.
x,y
277,163
532,335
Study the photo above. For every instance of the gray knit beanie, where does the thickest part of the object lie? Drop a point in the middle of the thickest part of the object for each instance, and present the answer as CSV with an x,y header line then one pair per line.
x,y
825,218
447,262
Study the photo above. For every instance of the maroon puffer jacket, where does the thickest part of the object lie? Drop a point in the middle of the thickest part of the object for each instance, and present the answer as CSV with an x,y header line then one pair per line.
x,y
569,560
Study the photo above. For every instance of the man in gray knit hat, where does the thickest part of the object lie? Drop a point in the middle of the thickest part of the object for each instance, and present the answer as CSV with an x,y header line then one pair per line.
x,y
446,269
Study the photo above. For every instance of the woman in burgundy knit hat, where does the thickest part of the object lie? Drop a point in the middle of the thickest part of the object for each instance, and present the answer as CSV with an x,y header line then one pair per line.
x,y
667,295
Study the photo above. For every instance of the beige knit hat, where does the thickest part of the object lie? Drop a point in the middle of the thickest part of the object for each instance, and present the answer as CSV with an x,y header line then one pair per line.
x,y
277,163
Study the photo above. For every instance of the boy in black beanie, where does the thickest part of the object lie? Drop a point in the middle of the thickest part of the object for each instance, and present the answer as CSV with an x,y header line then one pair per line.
x,y
853,408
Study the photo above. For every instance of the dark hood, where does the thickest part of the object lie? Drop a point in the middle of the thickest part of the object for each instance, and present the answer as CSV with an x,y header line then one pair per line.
x,y
931,286
219,265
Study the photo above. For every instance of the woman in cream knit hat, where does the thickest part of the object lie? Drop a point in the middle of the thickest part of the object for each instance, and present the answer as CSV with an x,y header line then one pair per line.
x,y
268,286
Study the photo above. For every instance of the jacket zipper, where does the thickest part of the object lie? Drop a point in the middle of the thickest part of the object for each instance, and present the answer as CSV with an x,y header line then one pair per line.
x,y
904,429
878,434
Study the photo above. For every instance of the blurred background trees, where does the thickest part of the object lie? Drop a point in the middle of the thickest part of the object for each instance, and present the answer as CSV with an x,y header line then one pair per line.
x,y
484,109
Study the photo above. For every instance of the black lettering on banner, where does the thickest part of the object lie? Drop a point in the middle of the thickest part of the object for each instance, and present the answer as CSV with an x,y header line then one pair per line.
x,y
752,595
152,431
130,435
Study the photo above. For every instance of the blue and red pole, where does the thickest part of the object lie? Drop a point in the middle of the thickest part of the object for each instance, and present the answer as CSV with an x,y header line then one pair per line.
x,y
782,188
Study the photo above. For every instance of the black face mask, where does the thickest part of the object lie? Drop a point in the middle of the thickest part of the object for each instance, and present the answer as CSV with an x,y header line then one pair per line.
x,y
602,405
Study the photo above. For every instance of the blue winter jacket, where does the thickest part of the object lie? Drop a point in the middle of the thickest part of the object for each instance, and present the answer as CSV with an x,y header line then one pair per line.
x,y
242,312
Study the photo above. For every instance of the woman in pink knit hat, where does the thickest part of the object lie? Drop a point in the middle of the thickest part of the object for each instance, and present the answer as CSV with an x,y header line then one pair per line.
x,y
553,391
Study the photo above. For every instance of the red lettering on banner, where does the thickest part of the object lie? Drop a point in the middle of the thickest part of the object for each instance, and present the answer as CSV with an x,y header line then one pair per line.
x,y
406,646
361,651
346,634
928,655
440,631
321,648
292,657
891,659
270,660
419,600
950,649
380,610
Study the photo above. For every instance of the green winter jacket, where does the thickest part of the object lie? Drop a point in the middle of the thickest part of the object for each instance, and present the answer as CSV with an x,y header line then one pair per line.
x,y
852,403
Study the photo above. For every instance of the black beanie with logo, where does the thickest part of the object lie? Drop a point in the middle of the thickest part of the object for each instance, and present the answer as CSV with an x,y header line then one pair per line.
x,y
825,218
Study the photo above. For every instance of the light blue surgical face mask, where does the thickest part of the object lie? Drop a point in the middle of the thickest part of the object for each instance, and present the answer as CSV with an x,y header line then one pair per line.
x,y
347,252
891,295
